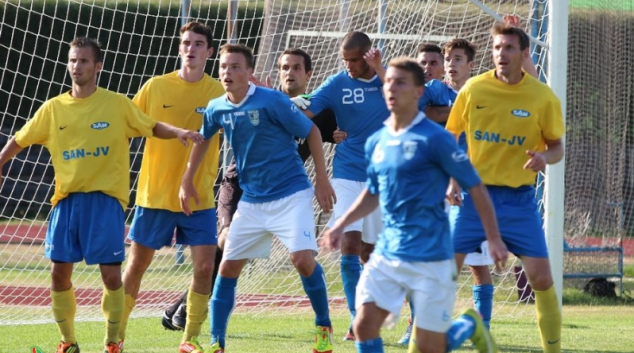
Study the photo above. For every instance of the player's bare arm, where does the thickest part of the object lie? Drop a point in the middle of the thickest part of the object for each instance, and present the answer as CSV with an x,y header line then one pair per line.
x,y
553,154
363,206
484,206
167,131
323,190
373,58
187,189
9,151
438,114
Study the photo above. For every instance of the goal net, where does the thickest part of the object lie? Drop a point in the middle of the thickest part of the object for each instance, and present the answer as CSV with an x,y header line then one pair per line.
x,y
141,40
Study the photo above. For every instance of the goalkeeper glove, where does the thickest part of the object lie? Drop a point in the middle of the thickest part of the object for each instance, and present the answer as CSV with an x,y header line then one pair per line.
x,y
301,101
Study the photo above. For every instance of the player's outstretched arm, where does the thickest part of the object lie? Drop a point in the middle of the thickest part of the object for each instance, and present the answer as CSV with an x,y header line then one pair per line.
x,y
363,206
9,151
483,205
324,192
167,131
187,189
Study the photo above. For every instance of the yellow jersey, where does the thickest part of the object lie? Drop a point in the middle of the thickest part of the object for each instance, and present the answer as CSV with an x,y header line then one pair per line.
x,y
502,122
88,141
172,100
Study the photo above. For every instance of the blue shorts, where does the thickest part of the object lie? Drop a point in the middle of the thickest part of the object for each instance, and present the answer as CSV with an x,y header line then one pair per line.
x,y
86,226
518,217
154,228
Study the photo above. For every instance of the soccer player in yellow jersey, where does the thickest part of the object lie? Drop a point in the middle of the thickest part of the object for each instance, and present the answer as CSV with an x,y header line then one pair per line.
x,y
86,131
513,125
178,98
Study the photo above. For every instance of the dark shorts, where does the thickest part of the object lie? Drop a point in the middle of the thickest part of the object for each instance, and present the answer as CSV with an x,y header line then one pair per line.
x,y
519,220
228,197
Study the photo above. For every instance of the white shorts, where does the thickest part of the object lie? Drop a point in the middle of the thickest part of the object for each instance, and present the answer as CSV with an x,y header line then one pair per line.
x,y
347,192
431,284
480,259
254,224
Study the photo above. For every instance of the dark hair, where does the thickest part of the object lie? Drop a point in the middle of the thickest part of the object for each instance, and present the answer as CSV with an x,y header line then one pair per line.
x,y
429,48
410,65
459,43
241,49
308,63
85,42
501,28
356,40
198,28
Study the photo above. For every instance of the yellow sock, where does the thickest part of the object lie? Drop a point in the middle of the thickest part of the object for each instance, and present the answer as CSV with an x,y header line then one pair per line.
x,y
64,307
112,304
548,319
412,348
127,309
197,307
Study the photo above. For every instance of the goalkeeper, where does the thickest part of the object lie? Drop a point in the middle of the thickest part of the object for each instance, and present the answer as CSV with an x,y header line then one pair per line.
x,y
295,70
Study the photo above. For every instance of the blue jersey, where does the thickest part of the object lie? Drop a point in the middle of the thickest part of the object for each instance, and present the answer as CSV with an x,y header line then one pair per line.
x,y
261,131
437,93
410,172
360,110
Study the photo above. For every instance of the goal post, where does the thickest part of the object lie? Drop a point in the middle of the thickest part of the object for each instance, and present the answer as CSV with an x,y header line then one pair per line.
x,y
554,192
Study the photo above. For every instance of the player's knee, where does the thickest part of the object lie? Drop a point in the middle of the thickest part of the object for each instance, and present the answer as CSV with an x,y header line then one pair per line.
x,y
111,280
304,262
365,328
351,243
425,346
366,251
140,259
203,270
231,268
481,275
541,281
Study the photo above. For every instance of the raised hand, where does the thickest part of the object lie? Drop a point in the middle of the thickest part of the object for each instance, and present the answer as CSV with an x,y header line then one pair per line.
x,y
257,82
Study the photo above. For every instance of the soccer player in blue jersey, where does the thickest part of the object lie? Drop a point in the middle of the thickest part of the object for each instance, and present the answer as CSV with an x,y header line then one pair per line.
x,y
354,94
179,98
410,162
295,70
86,131
260,124
513,125
430,58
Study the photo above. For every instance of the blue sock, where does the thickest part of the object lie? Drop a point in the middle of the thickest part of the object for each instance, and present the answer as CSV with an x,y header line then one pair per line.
x,y
483,302
461,330
371,346
350,273
411,308
220,307
315,288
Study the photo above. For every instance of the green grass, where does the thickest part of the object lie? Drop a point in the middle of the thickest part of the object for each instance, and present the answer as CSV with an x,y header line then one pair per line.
x,y
612,5
585,329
